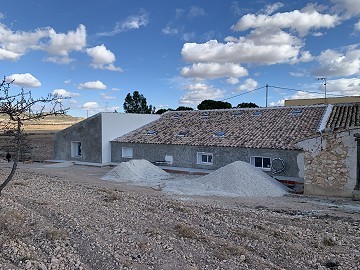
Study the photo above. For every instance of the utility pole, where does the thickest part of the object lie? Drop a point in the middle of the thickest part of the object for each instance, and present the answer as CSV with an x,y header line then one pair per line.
x,y
324,81
267,91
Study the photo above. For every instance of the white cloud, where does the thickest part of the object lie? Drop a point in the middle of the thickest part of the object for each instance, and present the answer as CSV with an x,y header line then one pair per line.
x,y
73,101
305,95
232,80
198,92
24,80
196,12
235,8
277,103
67,81
130,23
170,30
91,105
188,36
92,85
263,46
357,26
59,59
16,44
297,74
62,93
300,21
63,44
343,86
105,96
332,63
271,8
349,8
102,58
250,84
9,55
213,71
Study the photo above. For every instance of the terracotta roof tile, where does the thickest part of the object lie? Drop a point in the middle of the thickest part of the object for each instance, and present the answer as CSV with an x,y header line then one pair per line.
x,y
276,128
344,116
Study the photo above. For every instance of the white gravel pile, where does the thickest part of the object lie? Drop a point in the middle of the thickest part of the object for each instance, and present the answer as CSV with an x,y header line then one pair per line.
x,y
136,170
236,179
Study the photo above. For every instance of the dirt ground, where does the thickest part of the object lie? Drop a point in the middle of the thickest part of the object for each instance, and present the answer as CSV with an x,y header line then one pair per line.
x,y
67,218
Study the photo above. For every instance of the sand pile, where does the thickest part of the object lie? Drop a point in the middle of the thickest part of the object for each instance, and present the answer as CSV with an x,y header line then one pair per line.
x,y
136,170
235,179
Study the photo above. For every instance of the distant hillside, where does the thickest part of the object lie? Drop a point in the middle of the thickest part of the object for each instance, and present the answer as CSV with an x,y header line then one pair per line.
x,y
50,123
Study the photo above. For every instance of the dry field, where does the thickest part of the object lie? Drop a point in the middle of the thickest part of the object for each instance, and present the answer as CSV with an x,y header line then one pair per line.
x,y
40,135
66,218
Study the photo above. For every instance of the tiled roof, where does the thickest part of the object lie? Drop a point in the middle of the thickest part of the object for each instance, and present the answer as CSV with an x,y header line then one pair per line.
x,y
344,116
275,128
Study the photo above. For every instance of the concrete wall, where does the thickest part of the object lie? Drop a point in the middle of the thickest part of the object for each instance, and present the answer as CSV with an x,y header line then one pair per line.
x,y
95,134
117,124
314,101
330,164
88,132
186,156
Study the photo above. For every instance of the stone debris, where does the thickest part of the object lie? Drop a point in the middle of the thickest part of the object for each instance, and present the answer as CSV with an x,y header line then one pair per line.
x,y
137,171
236,179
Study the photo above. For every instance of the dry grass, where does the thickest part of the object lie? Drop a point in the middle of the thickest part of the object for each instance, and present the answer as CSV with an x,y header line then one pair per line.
x,y
56,234
228,250
186,231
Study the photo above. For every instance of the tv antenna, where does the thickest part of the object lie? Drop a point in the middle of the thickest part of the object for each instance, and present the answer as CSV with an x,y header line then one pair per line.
x,y
324,81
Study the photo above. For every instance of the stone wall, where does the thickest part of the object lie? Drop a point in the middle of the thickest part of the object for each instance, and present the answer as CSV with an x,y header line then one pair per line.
x,y
330,164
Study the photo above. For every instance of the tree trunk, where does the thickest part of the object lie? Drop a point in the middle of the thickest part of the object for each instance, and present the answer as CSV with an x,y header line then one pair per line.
x,y
18,144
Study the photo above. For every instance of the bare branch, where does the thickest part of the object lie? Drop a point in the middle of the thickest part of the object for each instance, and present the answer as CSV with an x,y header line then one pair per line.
x,y
21,108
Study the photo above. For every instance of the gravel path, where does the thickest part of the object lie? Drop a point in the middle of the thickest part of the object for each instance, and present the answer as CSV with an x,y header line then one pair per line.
x,y
66,218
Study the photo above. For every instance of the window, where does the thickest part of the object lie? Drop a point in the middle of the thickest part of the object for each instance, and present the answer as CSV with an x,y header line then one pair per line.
x,y
204,158
76,149
261,162
127,152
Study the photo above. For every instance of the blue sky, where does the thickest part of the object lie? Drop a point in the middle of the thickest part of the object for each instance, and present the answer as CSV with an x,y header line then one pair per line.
x,y
179,52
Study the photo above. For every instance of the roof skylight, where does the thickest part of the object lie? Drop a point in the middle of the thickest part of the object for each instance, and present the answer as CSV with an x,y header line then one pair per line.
x,y
296,112
219,134
151,132
257,113
183,133
238,113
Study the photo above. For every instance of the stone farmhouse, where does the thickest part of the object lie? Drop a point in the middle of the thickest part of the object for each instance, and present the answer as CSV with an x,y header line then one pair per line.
x,y
317,144
332,157
211,139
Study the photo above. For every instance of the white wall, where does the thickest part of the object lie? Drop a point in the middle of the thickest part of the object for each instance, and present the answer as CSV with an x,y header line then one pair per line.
x,y
114,125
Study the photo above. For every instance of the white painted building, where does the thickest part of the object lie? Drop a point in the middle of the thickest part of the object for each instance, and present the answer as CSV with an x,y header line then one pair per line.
x,y
89,140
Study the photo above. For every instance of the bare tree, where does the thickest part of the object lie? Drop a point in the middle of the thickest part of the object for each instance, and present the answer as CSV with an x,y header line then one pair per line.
x,y
20,108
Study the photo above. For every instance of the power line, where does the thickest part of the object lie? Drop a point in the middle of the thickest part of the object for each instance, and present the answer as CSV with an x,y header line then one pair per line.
x,y
250,91
310,92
